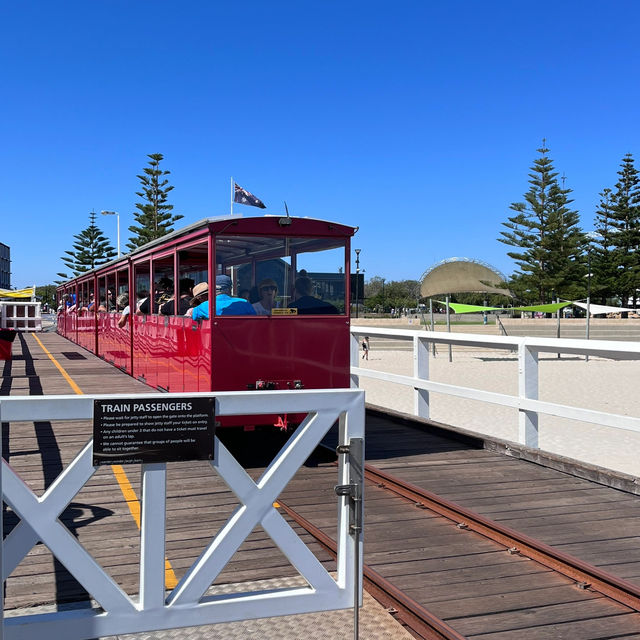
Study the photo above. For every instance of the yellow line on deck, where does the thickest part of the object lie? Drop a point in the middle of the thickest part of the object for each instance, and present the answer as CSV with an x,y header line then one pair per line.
x,y
65,375
129,494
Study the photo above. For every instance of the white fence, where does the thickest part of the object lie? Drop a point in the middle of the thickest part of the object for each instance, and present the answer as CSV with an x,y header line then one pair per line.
x,y
21,316
526,402
188,603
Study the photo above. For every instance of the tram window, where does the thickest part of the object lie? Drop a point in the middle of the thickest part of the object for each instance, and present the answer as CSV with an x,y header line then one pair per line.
x,y
82,298
79,299
250,260
90,299
193,268
142,287
122,299
111,292
72,298
102,296
325,269
163,282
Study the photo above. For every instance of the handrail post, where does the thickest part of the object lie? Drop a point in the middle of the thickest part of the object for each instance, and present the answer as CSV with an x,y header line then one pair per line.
x,y
421,370
449,325
528,388
354,359
152,535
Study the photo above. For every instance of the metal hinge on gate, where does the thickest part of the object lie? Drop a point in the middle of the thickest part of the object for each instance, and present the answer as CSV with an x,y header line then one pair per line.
x,y
353,490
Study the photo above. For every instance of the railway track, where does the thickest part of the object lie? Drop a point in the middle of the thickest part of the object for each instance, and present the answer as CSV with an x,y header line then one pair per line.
x,y
411,614
416,618
585,575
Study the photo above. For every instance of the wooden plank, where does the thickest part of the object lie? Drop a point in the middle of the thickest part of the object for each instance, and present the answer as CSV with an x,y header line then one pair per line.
x,y
536,617
624,625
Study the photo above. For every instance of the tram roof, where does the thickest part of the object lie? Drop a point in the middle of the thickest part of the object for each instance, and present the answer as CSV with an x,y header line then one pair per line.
x,y
262,225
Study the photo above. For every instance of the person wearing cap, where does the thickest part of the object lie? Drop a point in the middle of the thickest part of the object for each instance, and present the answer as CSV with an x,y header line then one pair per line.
x,y
226,304
268,290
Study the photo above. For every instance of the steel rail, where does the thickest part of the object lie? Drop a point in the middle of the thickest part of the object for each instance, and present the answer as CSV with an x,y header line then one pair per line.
x,y
586,576
418,620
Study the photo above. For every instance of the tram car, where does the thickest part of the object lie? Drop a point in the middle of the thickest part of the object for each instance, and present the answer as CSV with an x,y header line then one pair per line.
x,y
225,304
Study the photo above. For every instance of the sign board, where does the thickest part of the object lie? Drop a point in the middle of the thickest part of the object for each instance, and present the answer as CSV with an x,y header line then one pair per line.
x,y
140,430
285,311
357,287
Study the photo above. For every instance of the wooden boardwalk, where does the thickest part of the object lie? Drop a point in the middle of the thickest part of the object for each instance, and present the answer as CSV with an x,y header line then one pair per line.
x,y
473,584
103,514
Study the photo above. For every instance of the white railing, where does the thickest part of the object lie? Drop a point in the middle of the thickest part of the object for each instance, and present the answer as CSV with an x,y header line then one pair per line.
x,y
189,603
20,316
526,402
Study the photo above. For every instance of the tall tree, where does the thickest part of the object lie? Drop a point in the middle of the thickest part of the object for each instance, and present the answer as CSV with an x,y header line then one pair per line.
x,y
602,251
90,250
394,294
567,245
154,215
625,222
545,232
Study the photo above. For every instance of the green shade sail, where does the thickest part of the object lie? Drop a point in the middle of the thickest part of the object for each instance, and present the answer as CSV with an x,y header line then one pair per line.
x,y
544,308
472,308
469,308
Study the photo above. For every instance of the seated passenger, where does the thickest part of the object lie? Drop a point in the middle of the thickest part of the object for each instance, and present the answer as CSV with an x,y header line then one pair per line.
x,y
184,302
226,305
123,303
268,291
306,303
199,301
142,306
164,292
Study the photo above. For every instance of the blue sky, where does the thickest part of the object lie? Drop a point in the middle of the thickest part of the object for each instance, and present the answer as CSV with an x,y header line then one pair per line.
x,y
415,121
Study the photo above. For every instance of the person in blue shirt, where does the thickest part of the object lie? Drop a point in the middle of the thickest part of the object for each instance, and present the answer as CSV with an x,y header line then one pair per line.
x,y
226,305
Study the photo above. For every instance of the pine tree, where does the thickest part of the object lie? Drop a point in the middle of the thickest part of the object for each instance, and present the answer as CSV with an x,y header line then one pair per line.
x,y
567,244
545,231
603,258
90,250
625,223
154,215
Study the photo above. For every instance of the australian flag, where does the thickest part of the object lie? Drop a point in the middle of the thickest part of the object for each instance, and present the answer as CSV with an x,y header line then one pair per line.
x,y
242,196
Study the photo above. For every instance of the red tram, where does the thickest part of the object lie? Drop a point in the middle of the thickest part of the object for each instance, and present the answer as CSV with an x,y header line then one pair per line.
x,y
296,346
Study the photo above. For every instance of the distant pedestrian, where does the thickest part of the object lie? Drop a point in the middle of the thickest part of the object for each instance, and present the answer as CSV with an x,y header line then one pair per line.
x,y
365,348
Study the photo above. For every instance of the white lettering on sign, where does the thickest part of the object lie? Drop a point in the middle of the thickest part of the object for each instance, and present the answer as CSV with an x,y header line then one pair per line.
x,y
111,408
163,406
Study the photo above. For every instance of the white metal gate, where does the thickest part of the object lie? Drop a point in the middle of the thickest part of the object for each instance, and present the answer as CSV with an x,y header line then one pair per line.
x,y
187,604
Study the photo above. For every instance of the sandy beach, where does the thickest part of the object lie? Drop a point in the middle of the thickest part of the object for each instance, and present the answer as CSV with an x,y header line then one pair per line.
x,y
599,384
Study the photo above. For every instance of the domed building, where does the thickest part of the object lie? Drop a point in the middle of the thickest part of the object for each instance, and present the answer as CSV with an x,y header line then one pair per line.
x,y
461,275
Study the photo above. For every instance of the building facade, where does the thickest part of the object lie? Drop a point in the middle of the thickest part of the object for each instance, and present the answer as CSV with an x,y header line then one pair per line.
x,y
5,266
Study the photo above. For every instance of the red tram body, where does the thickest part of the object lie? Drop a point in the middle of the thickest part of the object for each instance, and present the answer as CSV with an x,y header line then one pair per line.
x,y
291,348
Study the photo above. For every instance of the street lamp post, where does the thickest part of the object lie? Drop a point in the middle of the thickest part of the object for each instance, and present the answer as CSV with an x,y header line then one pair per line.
x,y
592,236
114,213
588,289
357,281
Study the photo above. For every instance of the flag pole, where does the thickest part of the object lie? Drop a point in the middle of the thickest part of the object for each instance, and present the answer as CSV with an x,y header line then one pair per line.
x,y
231,195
